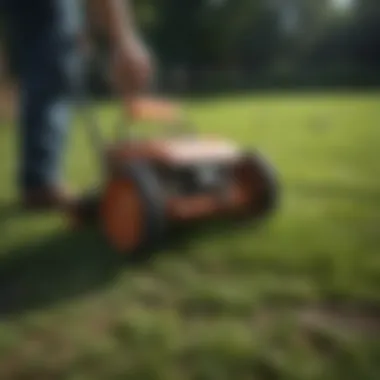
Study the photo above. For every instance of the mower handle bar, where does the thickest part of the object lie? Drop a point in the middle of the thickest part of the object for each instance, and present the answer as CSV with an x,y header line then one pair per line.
x,y
133,109
139,109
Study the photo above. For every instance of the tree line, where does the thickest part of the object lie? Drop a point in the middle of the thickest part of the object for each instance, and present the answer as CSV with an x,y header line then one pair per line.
x,y
217,45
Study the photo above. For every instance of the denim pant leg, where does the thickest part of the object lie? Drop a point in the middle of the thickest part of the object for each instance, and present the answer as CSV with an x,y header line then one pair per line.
x,y
47,34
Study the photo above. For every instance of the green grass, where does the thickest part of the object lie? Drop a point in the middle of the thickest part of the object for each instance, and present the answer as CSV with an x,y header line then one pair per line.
x,y
296,299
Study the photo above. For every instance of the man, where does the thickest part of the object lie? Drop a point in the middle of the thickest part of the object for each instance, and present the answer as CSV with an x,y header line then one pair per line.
x,y
47,35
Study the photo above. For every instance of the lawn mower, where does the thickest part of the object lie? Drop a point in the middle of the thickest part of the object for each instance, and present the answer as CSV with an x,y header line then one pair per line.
x,y
152,183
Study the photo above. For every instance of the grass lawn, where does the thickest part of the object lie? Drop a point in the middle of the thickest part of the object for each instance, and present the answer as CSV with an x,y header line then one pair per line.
x,y
296,299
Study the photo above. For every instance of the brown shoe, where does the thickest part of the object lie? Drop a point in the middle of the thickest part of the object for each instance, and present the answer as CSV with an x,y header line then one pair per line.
x,y
47,198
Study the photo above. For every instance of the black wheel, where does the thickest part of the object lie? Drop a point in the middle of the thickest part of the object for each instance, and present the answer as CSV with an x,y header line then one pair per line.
x,y
85,211
262,183
88,207
132,210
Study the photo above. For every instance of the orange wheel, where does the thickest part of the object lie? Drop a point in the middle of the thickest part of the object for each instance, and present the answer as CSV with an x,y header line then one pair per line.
x,y
260,183
132,212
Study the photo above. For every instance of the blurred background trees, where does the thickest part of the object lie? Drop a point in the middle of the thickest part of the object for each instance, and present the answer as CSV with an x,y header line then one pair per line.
x,y
246,44
226,45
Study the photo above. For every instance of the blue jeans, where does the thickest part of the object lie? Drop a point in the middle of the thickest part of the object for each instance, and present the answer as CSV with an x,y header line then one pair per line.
x,y
46,40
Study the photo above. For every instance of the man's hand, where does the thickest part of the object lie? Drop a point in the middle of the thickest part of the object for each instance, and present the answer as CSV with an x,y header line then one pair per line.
x,y
131,66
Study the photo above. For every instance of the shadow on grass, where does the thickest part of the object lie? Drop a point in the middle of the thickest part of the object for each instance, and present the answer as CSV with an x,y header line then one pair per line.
x,y
64,266
73,263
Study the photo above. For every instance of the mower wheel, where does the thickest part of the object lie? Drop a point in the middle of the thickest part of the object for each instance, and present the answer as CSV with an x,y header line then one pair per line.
x,y
85,210
261,181
132,213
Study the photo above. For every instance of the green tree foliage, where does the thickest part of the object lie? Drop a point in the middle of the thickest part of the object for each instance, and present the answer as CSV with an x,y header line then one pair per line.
x,y
260,36
218,32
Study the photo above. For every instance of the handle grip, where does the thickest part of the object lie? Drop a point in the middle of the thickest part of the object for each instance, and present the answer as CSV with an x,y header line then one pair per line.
x,y
150,109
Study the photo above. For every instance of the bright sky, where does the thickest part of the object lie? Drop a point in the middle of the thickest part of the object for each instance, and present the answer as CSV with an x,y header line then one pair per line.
x,y
343,4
